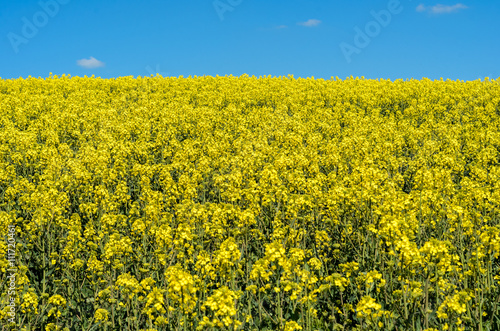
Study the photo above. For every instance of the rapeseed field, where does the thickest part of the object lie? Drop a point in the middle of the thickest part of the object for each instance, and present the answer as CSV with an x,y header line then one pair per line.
x,y
244,203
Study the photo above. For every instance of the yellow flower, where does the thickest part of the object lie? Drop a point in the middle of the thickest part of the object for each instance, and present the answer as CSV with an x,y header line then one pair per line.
x,y
154,303
101,315
222,304
57,300
292,326
181,288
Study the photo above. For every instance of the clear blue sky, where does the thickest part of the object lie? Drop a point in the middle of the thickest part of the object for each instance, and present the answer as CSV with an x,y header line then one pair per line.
x,y
304,38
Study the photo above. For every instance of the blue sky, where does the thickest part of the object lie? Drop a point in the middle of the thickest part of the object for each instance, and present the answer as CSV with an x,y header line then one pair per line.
x,y
375,39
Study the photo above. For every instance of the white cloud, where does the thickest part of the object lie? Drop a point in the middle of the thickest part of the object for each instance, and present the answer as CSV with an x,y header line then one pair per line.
x,y
90,63
420,8
441,9
281,27
310,23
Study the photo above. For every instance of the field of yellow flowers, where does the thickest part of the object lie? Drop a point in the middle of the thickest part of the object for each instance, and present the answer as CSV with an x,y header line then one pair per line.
x,y
244,203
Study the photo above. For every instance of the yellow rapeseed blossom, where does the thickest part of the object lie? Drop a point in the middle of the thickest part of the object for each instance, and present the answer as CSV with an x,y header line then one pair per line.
x,y
181,288
292,326
249,203
101,315
222,304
